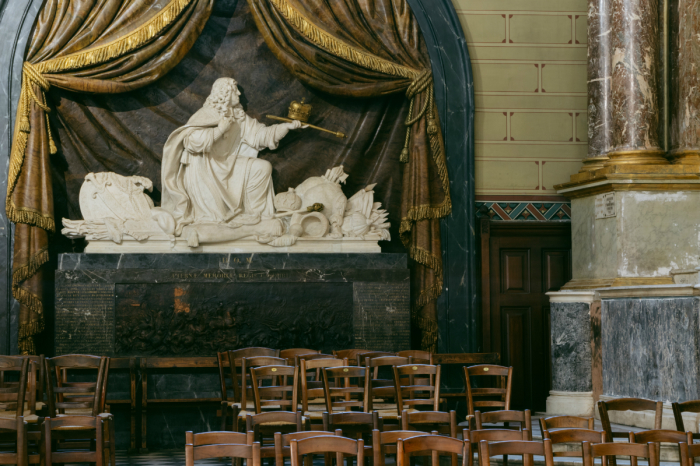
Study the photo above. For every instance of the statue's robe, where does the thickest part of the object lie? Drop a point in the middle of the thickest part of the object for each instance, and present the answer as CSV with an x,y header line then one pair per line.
x,y
218,182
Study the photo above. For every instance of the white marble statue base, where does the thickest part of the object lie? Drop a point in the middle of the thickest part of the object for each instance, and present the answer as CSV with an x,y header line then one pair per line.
x,y
165,244
570,403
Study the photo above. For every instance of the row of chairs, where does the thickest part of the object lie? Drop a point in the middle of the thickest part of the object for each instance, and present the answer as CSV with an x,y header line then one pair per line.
x,y
54,418
255,379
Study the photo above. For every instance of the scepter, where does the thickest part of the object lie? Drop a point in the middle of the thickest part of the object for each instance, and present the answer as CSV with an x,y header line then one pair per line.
x,y
301,111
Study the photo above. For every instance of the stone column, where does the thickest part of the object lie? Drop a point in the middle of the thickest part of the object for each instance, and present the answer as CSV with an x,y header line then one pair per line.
x,y
635,94
684,61
572,382
599,108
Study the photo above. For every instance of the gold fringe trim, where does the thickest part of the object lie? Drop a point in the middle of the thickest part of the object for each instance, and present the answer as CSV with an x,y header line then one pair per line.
x,y
30,77
29,330
429,335
338,47
130,42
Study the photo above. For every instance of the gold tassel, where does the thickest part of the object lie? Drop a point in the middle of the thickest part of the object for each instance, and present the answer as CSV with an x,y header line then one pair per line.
x,y
52,147
24,124
404,155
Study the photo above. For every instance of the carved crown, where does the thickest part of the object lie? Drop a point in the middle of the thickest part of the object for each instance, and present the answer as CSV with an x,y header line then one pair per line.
x,y
299,111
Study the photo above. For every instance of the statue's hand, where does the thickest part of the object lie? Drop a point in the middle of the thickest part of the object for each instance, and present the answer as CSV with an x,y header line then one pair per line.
x,y
296,124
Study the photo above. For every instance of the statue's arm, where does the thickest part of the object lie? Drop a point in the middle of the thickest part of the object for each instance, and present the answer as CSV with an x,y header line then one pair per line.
x,y
200,141
260,137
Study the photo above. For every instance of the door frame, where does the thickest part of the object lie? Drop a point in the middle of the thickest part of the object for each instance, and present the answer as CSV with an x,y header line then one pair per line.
x,y
503,229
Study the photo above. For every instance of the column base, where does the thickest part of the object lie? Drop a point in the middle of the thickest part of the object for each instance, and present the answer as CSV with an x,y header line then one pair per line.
x,y
636,157
594,163
570,403
685,157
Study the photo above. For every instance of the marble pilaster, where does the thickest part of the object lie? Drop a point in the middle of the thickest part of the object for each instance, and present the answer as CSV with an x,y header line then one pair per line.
x,y
599,78
634,86
572,382
684,82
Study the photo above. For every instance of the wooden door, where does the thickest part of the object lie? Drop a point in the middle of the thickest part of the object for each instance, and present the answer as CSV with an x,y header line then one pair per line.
x,y
525,261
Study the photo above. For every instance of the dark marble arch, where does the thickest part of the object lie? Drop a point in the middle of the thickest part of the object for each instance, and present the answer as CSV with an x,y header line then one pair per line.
x,y
571,347
651,348
455,99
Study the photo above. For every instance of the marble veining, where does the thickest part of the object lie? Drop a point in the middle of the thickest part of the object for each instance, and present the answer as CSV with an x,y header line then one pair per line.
x,y
599,78
571,347
635,63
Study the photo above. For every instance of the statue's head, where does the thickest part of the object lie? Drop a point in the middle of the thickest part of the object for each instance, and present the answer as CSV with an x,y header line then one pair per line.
x,y
224,96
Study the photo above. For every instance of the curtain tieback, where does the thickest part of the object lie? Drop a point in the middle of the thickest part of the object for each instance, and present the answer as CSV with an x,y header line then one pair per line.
x,y
422,82
31,77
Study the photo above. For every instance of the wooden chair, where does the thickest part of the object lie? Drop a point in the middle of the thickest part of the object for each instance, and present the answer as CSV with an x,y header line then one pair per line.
x,y
13,394
53,451
235,358
362,357
340,393
341,446
566,422
498,397
14,434
384,443
473,437
266,425
413,390
282,444
279,396
313,399
573,436
692,406
612,449
689,452
658,436
35,384
417,356
527,449
432,446
228,392
353,425
291,354
247,393
234,445
628,404
430,421
382,395
506,417
349,354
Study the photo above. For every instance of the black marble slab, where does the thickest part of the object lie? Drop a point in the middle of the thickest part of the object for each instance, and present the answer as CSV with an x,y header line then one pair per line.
x,y
651,348
571,347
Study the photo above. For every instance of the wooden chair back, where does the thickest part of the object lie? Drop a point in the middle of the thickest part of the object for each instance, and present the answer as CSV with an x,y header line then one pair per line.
x,y
81,423
313,389
575,435
628,404
527,449
566,422
417,356
227,382
362,357
221,445
498,397
658,436
384,443
247,364
280,394
692,406
13,394
506,417
341,446
433,446
429,421
291,354
352,424
79,395
413,389
473,437
234,361
20,455
35,381
270,423
614,449
283,441
340,392
383,388
689,452
349,354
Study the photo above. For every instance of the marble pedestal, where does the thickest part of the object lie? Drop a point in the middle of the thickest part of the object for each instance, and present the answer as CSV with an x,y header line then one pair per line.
x,y
646,236
572,388
198,304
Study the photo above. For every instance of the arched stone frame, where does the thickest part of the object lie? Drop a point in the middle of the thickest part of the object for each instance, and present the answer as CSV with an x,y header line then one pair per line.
x,y
457,307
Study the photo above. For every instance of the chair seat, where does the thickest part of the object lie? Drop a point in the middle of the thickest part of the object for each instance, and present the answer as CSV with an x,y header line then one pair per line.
x,y
28,416
248,404
314,415
83,412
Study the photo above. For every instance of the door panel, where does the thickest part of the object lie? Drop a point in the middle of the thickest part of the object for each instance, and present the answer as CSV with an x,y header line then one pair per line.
x,y
525,262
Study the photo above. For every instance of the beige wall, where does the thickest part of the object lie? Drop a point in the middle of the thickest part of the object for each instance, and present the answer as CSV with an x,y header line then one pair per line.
x,y
529,64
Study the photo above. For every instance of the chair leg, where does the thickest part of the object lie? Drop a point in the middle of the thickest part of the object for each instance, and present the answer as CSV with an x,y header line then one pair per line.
x,y
112,443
